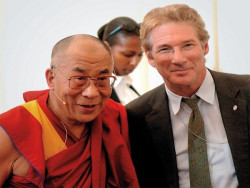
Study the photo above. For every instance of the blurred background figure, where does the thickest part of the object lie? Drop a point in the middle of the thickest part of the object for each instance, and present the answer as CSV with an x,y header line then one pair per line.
x,y
122,35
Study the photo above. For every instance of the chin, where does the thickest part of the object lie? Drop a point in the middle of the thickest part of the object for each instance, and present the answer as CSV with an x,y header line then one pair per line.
x,y
87,118
185,80
125,72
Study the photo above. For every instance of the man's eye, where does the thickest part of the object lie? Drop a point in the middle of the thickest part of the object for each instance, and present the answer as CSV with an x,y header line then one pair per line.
x,y
102,78
81,78
188,46
167,50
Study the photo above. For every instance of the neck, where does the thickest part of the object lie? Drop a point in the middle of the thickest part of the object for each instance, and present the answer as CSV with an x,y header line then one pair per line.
x,y
187,90
184,91
76,128
71,125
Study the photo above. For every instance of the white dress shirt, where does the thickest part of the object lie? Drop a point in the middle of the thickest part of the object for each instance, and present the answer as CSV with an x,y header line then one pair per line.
x,y
222,171
123,90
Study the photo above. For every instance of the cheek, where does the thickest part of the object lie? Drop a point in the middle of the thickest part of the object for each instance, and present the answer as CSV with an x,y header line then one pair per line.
x,y
119,61
105,94
123,61
162,63
198,62
72,98
117,56
197,57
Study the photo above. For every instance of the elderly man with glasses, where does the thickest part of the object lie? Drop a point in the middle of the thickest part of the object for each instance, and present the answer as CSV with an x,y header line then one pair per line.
x,y
71,135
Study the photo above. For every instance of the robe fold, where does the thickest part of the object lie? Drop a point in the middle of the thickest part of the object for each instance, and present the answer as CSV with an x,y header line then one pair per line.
x,y
100,158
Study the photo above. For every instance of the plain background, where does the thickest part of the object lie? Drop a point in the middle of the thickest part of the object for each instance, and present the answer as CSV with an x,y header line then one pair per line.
x,y
30,28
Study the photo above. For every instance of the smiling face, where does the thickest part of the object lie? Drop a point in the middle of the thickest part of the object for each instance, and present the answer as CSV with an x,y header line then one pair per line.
x,y
179,57
82,58
127,54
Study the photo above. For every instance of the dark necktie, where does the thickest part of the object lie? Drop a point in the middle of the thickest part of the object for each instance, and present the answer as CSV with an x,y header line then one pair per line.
x,y
197,149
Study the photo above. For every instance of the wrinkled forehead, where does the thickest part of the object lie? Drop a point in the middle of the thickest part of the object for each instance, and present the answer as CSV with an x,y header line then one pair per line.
x,y
85,51
87,48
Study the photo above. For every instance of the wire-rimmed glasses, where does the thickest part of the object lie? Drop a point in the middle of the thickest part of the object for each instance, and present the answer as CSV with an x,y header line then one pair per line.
x,y
82,82
185,49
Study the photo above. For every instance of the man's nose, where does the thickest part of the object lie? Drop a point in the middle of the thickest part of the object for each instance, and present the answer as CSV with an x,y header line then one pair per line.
x,y
91,90
177,55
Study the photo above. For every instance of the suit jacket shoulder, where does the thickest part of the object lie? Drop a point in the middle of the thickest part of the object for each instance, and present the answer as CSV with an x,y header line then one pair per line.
x,y
149,100
233,93
230,84
150,131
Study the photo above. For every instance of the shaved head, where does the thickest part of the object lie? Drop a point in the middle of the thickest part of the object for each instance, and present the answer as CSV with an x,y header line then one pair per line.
x,y
62,45
73,58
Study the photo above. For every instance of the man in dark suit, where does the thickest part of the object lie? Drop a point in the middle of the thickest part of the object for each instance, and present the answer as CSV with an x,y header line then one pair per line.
x,y
175,42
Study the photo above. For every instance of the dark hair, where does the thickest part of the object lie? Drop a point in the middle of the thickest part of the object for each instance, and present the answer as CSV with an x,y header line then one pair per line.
x,y
120,26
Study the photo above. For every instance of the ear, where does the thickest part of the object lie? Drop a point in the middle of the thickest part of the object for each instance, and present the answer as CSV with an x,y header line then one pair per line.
x,y
150,58
49,74
206,48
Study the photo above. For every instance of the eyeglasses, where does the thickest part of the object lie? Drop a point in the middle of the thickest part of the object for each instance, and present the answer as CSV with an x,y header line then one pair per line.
x,y
82,82
169,52
125,28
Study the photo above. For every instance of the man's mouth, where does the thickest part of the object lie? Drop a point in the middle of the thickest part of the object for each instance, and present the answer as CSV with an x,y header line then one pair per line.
x,y
181,70
88,106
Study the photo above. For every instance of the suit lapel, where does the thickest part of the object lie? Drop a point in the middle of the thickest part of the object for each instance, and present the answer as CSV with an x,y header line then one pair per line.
x,y
234,112
159,123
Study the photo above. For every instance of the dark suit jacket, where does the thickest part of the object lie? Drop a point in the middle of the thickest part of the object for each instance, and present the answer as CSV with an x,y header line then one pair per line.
x,y
151,135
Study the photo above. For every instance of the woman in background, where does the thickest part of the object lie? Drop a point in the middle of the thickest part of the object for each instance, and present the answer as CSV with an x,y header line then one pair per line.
x,y
122,35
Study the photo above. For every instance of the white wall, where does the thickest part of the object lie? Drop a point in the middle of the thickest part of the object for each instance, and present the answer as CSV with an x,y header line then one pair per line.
x,y
30,28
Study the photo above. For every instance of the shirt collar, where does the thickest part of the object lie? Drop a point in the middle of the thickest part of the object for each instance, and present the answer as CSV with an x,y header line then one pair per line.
x,y
123,80
174,100
206,92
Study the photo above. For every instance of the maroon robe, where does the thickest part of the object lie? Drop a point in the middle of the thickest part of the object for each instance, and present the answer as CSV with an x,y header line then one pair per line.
x,y
101,158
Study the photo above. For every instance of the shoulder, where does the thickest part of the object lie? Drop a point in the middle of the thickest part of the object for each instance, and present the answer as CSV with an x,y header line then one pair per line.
x,y
113,108
114,115
231,84
32,95
8,156
19,120
14,114
238,79
147,100
113,105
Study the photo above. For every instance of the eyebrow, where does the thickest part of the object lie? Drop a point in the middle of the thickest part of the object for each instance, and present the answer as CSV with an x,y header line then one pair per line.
x,y
80,70
168,45
104,71
186,41
132,51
